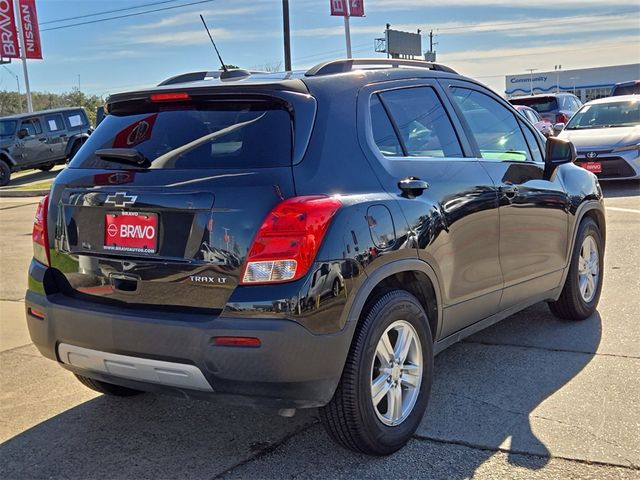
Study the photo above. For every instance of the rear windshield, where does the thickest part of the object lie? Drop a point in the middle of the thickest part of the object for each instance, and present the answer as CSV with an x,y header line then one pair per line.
x,y
626,89
214,135
539,104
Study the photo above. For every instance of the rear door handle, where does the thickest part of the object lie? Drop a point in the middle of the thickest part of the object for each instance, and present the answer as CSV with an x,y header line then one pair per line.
x,y
412,186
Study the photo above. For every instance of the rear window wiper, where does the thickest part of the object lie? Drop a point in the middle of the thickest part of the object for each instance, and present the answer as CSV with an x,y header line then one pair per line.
x,y
129,156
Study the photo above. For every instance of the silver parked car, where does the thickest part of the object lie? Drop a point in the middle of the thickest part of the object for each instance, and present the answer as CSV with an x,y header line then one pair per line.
x,y
606,133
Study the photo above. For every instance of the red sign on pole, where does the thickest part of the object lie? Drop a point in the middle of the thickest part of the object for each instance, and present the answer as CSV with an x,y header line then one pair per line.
x,y
339,8
356,8
9,47
30,30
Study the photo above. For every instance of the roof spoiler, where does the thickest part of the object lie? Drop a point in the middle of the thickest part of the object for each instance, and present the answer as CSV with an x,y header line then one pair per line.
x,y
231,74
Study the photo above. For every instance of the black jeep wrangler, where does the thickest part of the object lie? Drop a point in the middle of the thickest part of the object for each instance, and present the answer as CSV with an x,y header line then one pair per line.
x,y
40,139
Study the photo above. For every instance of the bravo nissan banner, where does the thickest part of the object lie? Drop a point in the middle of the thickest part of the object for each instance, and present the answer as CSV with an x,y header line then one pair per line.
x,y
8,35
347,8
30,31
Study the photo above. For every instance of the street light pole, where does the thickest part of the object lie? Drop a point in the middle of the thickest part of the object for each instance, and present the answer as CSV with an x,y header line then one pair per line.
x,y
531,70
287,35
23,56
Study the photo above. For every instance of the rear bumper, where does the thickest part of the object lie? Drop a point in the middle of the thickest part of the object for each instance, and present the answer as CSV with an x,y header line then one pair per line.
x,y
174,353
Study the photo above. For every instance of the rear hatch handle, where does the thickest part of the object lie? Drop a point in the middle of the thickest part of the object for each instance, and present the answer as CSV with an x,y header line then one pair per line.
x,y
125,283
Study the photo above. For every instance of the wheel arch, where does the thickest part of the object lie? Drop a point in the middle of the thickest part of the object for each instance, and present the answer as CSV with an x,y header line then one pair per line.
x,y
78,138
8,159
593,209
412,275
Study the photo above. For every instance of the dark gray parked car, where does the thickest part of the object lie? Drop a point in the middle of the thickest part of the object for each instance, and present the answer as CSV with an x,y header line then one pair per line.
x,y
40,139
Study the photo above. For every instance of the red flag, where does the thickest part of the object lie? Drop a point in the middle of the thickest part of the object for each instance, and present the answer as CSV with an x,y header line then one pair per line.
x,y
339,8
9,47
30,30
356,8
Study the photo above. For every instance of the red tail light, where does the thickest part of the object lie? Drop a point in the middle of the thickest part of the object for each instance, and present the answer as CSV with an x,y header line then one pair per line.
x,y
169,97
289,239
561,118
40,235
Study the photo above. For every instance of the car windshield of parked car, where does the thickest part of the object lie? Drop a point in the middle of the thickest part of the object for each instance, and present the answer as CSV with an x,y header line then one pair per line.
x,y
606,115
7,128
213,135
539,104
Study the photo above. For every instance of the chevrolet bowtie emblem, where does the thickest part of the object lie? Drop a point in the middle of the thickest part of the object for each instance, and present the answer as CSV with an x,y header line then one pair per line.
x,y
121,199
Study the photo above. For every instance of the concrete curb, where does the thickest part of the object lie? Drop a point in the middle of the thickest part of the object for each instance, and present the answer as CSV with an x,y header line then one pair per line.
x,y
23,193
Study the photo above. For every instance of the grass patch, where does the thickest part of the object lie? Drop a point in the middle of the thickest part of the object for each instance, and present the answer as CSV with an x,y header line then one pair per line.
x,y
44,185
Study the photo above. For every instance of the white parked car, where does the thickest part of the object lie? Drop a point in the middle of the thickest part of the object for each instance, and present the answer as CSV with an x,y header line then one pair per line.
x,y
606,133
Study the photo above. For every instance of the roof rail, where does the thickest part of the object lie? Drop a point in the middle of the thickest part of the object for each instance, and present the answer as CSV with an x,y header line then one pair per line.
x,y
342,66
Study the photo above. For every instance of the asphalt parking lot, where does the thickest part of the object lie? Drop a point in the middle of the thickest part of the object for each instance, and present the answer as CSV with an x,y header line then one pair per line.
x,y
531,397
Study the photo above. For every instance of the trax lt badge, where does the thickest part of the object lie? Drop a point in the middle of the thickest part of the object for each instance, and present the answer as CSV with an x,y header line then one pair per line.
x,y
121,199
592,155
207,279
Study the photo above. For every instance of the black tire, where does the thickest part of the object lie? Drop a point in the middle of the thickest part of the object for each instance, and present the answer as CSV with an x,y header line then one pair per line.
x,y
5,173
571,305
46,167
107,388
74,149
350,417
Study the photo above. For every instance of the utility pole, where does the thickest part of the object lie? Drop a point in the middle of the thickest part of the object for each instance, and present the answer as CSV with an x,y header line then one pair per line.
x,y
23,56
531,70
18,84
287,35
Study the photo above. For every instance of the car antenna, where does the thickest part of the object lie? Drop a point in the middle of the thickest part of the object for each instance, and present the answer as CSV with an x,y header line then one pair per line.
x,y
224,67
233,74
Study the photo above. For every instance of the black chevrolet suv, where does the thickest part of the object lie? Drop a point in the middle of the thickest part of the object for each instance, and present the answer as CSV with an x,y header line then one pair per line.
x,y
307,240
40,139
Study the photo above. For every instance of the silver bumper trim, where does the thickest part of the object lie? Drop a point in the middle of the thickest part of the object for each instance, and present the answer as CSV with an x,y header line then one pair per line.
x,y
172,374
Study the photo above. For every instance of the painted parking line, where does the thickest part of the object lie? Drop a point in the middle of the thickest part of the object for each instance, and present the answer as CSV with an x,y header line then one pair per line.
x,y
618,209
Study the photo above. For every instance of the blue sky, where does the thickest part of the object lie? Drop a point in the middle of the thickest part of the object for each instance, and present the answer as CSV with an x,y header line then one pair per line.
x,y
485,39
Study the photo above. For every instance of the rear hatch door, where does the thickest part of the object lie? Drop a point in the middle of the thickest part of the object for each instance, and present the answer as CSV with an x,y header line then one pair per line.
x,y
160,206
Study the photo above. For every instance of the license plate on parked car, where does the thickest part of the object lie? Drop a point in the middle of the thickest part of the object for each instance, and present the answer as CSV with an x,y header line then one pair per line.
x,y
595,167
131,232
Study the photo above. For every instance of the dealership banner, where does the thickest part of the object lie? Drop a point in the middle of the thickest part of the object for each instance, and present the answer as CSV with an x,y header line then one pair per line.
x,y
30,30
9,46
339,8
356,8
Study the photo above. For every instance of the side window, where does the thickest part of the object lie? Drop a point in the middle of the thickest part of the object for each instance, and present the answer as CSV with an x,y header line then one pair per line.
x,y
75,120
32,125
531,116
534,148
494,128
422,122
54,123
383,133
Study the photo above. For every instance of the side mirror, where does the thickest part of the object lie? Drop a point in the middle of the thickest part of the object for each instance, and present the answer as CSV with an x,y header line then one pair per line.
x,y
558,151
558,127
22,133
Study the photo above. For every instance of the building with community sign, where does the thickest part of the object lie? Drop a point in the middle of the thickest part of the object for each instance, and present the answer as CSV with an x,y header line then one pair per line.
x,y
586,83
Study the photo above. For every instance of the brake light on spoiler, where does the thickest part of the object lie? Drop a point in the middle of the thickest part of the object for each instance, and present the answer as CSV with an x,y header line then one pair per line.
x,y
169,97
289,239
39,235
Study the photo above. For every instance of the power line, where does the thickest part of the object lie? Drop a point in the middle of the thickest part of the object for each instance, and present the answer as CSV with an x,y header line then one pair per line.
x,y
106,12
125,16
